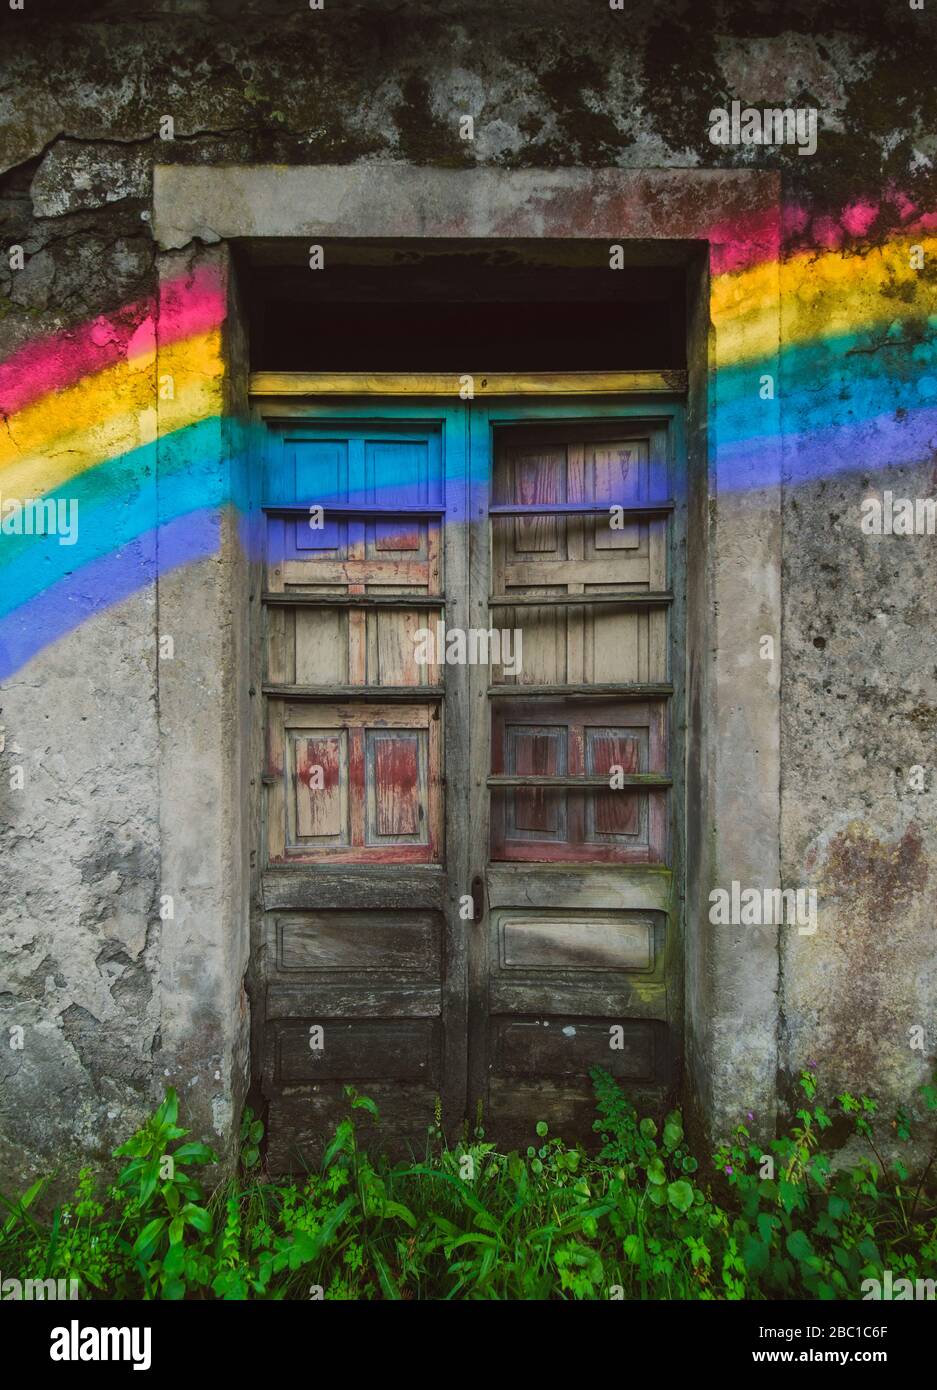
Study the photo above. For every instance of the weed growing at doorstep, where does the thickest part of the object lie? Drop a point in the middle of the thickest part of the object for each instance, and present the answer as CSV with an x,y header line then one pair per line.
x,y
631,1221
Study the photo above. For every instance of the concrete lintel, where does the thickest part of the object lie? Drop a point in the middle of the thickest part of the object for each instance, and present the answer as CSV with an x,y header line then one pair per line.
x,y
393,199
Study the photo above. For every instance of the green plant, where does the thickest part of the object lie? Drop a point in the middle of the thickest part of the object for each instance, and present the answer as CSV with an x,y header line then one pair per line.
x,y
252,1132
806,1228
162,1200
634,1220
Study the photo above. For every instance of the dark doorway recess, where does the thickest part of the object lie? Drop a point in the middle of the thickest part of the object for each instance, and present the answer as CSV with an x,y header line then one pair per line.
x,y
437,306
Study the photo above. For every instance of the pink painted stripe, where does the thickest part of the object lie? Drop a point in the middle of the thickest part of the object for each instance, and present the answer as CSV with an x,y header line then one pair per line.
x,y
190,305
752,243
741,246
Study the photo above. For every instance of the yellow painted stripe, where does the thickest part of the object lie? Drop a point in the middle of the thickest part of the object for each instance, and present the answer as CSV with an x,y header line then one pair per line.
x,y
107,413
72,454
821,296
449,384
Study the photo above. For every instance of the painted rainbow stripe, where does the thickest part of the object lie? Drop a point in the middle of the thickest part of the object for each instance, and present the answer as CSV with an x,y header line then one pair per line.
x,y
857,367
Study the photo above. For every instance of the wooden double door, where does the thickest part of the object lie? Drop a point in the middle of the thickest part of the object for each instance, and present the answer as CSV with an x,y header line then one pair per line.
x,y
469,884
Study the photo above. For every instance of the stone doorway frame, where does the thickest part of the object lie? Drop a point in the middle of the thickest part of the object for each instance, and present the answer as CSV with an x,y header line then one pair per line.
x,y
723,220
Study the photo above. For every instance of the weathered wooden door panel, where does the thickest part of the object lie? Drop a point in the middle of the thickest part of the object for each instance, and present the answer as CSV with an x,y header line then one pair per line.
x,y
547,739
577,962
353,783
326,647
362,960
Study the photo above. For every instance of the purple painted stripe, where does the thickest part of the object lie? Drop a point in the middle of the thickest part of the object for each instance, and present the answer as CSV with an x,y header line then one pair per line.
x,y
102,583
869,446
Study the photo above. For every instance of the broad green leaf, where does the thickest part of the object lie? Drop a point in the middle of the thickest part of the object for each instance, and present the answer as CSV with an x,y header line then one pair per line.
x,y
341,1143
799,1245
149,1233
767,1225
655,1172
197,1217
755,1254
789,1195
471,1239
194,1152
388,1283
405,1214
444,1224
169,1110
680,1195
